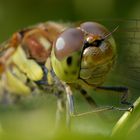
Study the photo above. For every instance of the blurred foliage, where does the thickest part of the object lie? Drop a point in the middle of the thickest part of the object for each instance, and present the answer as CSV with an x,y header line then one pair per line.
x,y
35,118
23,13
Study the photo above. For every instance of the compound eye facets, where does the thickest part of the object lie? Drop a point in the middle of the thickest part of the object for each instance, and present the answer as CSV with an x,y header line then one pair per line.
x,y
69,41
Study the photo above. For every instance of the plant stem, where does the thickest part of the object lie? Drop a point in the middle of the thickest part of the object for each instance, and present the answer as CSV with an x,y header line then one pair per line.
x,y
129,121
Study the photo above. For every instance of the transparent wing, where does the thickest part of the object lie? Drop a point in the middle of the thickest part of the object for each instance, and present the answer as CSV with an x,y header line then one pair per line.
x,y
129,41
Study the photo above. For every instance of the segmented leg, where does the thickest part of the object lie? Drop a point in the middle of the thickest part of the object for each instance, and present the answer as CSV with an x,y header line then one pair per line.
x,y
60,110
120,89
91,101
88,98
69,105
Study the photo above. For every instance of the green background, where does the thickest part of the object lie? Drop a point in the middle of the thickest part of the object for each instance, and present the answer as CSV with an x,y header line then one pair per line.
x,y
17,14
34,119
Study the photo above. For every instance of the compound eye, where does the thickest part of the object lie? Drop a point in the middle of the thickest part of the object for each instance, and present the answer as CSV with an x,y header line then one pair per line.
x,y
94,28
69,41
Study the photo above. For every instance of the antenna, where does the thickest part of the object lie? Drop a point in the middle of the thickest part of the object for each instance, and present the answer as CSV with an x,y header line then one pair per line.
x,y
106,36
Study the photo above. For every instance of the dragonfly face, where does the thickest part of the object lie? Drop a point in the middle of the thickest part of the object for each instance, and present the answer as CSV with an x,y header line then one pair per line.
x,y
83,54
80,55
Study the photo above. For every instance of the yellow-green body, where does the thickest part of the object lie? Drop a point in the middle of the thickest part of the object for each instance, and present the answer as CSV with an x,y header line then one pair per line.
x,y
24,63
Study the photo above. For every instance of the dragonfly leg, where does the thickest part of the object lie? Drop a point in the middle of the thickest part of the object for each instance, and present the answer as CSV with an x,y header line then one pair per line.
x,y
72,113
69,105
88,98
92,103
119,89
60,110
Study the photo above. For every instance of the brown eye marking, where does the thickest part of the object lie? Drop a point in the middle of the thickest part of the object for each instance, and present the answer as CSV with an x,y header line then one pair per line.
x,y
94,28
69,60
69,41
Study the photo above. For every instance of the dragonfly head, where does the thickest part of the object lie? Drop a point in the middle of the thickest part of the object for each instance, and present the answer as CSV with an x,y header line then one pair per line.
x,y
83,52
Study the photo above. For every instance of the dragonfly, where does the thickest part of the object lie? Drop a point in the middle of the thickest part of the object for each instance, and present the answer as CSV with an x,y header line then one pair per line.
x,y
59,57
